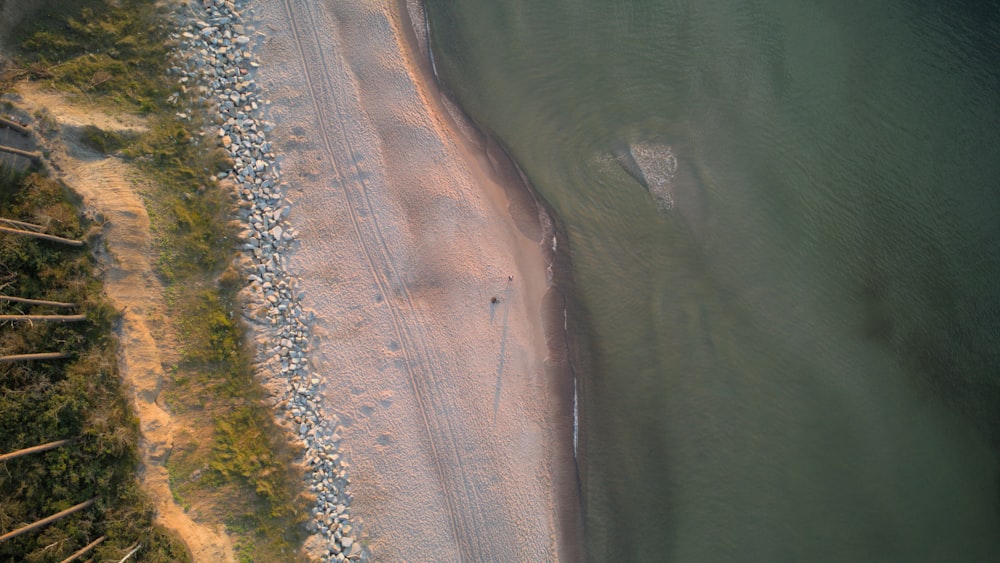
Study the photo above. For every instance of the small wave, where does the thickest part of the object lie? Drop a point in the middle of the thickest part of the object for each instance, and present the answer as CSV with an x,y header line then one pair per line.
x,y
434,67
576,422
427,36
576,399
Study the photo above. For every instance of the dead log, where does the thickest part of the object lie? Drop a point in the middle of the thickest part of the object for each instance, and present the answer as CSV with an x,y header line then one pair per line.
x,y
22,224
135,548
84,549
29,357
34,449
44,236
47,520
53,318
13,299
35,156
15,126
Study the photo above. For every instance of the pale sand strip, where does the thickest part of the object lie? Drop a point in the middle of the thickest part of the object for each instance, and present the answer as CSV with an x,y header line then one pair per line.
x,y
454,434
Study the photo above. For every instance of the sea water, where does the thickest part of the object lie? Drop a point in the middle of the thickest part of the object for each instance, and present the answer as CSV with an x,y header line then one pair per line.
x,y
784,223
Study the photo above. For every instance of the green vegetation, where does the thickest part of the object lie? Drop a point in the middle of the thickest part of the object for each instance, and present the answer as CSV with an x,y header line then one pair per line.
x,y
115,51
233,463
106,142
79,398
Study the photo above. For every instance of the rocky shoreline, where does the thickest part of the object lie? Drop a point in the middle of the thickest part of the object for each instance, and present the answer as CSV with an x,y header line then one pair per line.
x,y
217,69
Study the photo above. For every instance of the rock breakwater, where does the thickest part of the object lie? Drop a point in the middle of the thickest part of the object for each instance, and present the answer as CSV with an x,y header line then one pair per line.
x,y
217,69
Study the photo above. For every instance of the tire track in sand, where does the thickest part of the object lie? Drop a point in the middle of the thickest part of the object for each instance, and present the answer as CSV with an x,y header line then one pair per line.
x,y
415,351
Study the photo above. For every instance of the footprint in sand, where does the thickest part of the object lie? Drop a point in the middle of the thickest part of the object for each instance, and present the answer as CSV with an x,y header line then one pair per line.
x,y
386,400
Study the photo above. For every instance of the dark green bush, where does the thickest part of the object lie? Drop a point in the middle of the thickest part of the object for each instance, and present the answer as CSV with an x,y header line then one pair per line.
x,y
80,398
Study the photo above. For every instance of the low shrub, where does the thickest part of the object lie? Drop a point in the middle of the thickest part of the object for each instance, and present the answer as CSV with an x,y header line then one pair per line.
x,y
79,398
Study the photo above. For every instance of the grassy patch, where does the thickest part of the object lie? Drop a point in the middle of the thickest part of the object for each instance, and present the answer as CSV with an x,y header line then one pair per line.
x,y
46,122
112,52
79,398
238,463
105,142
195,211
234,465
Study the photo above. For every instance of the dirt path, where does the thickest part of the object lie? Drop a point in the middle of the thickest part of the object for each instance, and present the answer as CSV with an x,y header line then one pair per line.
x,y
109,188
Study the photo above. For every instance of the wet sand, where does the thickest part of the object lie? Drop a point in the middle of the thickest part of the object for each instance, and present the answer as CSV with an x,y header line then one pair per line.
x,y
426,264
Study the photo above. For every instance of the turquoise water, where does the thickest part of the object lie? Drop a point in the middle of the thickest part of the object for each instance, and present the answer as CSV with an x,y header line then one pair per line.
x,y
784,224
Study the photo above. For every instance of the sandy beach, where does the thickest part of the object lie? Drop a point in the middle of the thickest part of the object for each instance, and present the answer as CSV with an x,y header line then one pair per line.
x,y
424,262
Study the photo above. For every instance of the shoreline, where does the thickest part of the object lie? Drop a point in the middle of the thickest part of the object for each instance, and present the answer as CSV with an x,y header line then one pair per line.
x,y
365,315
519,472
564,354
402,227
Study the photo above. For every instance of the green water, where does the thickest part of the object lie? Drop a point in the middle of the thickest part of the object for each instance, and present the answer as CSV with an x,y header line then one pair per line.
x,y
793,351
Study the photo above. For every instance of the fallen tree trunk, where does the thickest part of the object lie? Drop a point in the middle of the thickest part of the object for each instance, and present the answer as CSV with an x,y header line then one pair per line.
x,y
35,156
31,226
131,553
47,520
44,236
38,356
84,549
35,301
34,449
15,126
53,318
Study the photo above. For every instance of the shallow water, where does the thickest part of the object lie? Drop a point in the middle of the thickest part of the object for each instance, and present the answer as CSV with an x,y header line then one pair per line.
x,y
784,223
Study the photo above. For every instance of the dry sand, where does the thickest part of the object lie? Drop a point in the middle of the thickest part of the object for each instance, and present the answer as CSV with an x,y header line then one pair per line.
x,y
458,431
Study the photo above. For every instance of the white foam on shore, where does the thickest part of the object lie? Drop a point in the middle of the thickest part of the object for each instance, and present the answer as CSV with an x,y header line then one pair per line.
x,y
576,399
